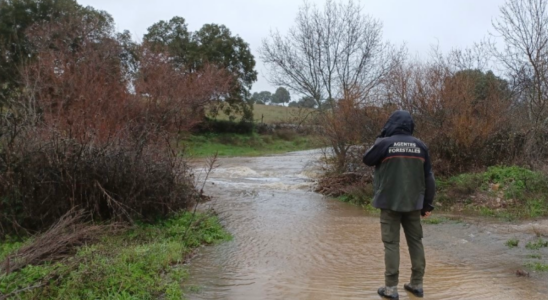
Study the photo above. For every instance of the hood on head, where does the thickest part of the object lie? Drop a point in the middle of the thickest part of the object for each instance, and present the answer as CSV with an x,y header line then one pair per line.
x,y
400,122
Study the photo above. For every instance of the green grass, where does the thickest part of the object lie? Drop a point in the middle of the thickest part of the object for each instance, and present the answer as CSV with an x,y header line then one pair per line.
x,y
514,181
361,200
145,262
512,243
537,266
536,208
8,246
534,256
521,193
248,145
270,114
536,245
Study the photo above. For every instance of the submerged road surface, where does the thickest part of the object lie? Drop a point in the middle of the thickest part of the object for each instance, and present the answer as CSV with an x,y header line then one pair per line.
x,y
291,243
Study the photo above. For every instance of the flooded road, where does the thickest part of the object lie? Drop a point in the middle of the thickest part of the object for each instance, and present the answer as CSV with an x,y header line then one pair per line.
x,y
291,243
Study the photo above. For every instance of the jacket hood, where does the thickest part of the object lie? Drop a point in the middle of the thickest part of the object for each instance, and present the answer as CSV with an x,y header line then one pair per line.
x,y
400,122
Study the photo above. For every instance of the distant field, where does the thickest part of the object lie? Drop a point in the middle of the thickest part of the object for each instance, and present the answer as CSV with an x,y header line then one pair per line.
x,y
274,114
248,145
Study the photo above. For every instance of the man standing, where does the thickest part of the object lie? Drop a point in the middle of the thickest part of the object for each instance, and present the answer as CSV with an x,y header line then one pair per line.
x,y
404,190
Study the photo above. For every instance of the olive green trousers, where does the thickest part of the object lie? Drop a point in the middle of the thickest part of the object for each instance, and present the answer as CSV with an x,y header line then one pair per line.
x,y
390,230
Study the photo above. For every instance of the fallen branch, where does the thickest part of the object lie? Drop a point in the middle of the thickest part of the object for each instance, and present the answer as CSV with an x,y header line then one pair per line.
x,y
60,241
3,297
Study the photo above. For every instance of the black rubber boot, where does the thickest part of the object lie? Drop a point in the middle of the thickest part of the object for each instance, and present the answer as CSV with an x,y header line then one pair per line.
x,y
383,293
418,292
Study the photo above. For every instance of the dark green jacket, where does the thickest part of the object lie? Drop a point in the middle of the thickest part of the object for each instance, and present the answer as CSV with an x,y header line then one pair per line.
x,y
403,180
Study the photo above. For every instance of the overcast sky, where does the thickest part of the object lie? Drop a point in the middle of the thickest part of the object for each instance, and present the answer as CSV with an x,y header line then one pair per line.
x,y
418,23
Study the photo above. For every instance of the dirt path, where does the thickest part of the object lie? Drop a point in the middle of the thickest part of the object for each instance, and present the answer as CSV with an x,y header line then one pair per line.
x,y
291,243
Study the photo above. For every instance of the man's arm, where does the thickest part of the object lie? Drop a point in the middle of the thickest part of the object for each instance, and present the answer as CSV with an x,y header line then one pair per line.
x,y
373,156
430,182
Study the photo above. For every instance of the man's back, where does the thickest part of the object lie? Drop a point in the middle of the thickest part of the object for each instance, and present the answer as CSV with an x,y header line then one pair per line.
x,y
404,190
403,172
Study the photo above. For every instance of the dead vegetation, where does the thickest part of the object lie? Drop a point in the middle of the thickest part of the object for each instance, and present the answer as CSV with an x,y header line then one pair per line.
x,y
58,242
342,184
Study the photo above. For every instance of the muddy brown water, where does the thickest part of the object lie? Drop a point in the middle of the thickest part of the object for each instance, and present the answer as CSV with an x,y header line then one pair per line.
x,y
291,243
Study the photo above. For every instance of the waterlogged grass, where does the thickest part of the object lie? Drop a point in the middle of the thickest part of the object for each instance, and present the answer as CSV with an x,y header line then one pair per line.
x,y
512,243
537,266
248,145
536,245
145,262
359,200
434,220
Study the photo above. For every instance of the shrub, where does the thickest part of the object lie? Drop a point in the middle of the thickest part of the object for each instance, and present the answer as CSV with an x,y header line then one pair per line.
x,y
224,126
285,134
516,180
465,184
42,180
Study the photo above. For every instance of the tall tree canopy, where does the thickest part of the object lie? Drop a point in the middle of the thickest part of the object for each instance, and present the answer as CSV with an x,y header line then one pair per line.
x,y
281,96
263,97
307,102
212,44
17,16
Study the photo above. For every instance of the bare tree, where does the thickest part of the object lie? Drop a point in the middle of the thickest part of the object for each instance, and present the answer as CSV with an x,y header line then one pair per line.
x,y
328,52
523,25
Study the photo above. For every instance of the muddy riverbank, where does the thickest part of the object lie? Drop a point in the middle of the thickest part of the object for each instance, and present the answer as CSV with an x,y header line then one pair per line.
x,y
291,243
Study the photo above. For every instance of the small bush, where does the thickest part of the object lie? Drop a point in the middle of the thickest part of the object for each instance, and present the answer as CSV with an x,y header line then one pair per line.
x,y
536,208
516,180
227,139
285,134
512,243
465,184
225,126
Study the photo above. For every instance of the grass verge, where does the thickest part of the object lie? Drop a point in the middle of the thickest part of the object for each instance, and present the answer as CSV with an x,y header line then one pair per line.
x,y
248,145
271,114
144,262
502,192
